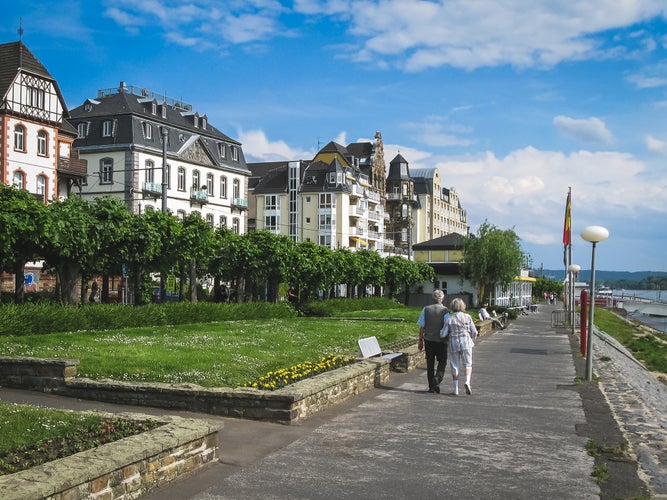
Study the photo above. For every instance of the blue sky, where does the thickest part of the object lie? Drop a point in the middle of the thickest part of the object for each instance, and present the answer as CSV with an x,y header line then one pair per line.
x,y
514,101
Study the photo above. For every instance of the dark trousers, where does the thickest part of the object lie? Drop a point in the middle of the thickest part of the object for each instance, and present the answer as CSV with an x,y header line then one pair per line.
x,y
435,351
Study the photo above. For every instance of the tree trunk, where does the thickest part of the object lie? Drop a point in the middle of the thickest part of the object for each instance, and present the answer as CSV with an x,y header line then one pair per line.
x,y
19,282
69,274
193,281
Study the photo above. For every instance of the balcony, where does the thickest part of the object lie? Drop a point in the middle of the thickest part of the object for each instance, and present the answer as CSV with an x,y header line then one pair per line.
x,y
373,196
198,196
356,211
240,203
152,189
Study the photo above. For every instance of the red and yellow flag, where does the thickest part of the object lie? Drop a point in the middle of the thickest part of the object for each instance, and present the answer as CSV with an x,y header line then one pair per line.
x,y
567,226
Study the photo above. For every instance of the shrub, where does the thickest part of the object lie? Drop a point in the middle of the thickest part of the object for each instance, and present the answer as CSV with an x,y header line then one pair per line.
x,y
334,307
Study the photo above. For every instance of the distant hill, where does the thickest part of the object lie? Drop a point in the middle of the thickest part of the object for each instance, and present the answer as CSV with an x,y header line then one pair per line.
x,y
600,276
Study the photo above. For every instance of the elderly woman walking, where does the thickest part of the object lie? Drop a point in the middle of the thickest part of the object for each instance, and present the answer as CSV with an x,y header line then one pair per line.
x,y
460,331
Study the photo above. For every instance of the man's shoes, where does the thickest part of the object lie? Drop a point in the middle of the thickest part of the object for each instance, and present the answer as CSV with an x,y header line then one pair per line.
x,y
431,390
437,389
468,390
439,378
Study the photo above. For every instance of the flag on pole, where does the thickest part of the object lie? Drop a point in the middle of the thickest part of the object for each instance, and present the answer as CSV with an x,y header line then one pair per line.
x,y
567,227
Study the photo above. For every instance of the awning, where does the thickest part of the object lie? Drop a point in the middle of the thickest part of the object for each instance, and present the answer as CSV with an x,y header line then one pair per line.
x,y
524,278
357,239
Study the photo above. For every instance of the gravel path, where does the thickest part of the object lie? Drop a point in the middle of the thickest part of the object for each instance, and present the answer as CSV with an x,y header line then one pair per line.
x,y
639,403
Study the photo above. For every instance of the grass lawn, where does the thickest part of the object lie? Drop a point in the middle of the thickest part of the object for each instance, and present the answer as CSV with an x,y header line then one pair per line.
x,y
224,354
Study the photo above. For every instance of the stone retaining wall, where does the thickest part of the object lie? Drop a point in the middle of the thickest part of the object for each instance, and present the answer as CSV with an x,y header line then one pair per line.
x,y
288,404
128,468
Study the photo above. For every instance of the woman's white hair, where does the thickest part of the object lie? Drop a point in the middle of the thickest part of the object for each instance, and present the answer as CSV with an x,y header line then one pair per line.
x,y
457,305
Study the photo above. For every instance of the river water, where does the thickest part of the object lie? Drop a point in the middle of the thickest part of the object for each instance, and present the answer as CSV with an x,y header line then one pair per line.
x,y
657,322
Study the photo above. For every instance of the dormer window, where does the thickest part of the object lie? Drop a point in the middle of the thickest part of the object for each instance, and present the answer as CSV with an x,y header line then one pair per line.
x,y
154,108
203,123
107,128
148,130
164,111
235,153
88,107
221,149
82,129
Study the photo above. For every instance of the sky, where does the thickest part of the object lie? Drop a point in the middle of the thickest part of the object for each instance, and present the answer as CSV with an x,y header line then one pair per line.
x,y
515,102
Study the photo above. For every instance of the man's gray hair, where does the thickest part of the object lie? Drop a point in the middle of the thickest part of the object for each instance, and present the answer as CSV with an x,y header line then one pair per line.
x,y
438,295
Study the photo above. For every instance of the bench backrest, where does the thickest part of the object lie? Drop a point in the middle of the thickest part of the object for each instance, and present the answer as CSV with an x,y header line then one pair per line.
x,y
369,347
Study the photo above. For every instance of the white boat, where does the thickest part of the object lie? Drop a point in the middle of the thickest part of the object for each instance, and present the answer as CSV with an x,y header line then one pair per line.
x,y
604,291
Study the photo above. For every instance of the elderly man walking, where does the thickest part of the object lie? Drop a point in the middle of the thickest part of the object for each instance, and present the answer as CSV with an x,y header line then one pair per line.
x,y
431,321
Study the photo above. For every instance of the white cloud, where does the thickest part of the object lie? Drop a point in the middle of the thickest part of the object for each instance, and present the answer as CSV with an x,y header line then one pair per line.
x,y
258,148
656,145
590,130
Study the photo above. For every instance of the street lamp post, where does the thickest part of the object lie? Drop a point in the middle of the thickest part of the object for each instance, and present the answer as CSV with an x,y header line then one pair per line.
x,y
594,235
574,269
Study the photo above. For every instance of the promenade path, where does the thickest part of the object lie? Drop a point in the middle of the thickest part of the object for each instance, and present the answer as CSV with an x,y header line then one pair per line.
x,y
521,434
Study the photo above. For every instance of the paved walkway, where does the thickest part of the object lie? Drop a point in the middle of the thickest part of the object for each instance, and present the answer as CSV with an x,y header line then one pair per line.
x,y
515,437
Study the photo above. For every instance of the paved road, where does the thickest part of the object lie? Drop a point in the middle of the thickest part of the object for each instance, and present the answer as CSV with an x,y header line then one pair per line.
x,y
515,437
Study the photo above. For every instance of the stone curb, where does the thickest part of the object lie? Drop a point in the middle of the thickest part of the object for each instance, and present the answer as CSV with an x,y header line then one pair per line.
x,y
129,467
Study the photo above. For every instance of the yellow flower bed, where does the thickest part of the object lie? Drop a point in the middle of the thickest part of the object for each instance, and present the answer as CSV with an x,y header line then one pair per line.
x,y
286,376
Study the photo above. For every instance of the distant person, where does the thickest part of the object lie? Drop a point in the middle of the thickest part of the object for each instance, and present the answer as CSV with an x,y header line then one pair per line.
x,y
93,292
224,293
431,321
460,332
485,316
292,296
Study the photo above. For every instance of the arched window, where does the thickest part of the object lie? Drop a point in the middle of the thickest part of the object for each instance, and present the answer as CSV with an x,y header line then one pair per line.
x,y
209,184
223,186
19,180
237,189
196,180
106,171
41,186
42,143
150,171
236,225
181,178
19,138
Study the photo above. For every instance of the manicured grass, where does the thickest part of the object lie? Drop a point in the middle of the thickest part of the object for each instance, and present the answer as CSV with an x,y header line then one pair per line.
x,y
223,354
32,435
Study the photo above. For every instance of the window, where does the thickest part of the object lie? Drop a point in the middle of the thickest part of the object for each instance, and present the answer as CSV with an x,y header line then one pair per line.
x,y
41,186
82,129
209,184
148,130
235,153
325,221
221,149
153,108
223,221
42,143
209,220
271,202
223,186
307,220
203,123
19,138
307,199
181,179
404,210
196,180
325,240
405,189
180,214
150,171
443,287
271,223
164,111
106,171
107,128
236,225
36,97
326,201
237,189
19,180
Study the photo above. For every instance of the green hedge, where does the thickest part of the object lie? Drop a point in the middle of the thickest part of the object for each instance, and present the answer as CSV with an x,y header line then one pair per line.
x,y
334,307
30,319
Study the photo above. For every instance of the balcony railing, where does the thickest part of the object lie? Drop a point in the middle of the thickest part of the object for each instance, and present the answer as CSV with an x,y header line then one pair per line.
x,y
152,188
199,195
240,202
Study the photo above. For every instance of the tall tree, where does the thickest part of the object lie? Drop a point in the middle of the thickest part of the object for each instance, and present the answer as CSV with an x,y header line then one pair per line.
x,y
72,242
22,235
492,257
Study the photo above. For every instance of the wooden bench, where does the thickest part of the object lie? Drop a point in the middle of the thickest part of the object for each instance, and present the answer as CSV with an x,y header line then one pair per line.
x,y
370,348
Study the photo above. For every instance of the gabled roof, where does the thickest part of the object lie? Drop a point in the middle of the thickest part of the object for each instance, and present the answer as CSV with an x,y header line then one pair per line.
x,y
452,241
15,56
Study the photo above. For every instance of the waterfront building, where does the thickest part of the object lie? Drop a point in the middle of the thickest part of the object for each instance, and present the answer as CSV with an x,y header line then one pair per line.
x,y
142,146
335,200
37,153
